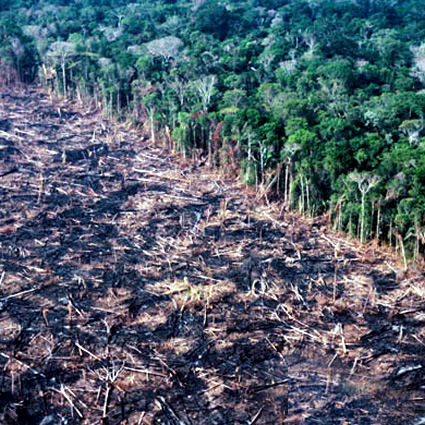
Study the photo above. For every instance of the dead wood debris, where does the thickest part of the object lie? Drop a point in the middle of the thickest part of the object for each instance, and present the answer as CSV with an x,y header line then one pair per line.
x,y
132,292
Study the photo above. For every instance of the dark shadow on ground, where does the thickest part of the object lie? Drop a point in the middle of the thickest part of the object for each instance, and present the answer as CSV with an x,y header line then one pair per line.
x,y
134,293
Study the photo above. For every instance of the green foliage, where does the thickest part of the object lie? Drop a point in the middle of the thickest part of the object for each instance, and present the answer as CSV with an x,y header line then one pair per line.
x,y
319,92
212,18
17,50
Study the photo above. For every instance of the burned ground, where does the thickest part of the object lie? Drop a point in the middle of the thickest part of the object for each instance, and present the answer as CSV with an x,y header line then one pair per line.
x,y
138,289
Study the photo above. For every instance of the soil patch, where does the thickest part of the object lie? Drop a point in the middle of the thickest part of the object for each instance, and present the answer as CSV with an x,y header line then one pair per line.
x,y
136,289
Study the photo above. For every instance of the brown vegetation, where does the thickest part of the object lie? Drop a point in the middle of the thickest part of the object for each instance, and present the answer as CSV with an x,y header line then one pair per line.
x,y
137,291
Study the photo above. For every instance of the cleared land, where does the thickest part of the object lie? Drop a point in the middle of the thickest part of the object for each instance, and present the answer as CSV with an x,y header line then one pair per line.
x,y
139,289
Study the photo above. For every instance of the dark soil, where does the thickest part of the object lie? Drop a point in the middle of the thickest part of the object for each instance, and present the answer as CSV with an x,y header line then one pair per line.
x,y
136,288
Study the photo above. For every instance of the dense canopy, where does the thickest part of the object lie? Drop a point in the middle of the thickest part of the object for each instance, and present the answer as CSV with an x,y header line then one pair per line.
x,y
319,102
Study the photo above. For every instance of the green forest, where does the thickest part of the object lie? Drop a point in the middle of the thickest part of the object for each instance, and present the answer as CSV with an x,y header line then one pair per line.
x,y
319,104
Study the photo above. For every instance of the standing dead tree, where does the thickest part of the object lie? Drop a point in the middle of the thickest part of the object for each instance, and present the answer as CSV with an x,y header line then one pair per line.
x,y
60,52
166,47
365,182
205,88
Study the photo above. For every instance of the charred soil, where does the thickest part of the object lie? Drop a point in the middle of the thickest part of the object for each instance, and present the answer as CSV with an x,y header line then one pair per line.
x,y
135,289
